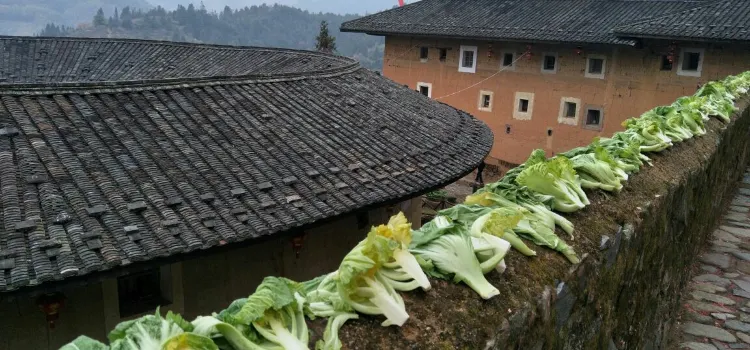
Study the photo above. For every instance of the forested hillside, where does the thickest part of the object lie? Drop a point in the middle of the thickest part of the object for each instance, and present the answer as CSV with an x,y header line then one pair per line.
x,y
26,17
272,26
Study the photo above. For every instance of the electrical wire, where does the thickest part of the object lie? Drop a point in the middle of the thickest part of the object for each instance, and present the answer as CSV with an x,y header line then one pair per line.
x,y
483,80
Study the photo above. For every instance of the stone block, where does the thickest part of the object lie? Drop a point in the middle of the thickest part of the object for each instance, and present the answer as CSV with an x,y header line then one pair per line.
x,y
716,259
713,332
703,296
713,279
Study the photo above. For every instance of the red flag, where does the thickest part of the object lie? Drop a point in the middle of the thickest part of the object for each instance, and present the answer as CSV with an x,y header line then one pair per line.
x,y
400,3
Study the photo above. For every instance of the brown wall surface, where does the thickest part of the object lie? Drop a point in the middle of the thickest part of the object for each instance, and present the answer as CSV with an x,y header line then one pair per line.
x,y
633,83
196,287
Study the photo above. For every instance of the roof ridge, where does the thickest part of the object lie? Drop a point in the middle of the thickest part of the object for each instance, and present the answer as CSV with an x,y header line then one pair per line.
x,y
170,43
704,3
105,63
167,84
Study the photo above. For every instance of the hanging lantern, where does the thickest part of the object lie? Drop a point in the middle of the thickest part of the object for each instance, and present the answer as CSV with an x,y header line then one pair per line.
x,y
297,244
579,50
528,52
51,304
489,51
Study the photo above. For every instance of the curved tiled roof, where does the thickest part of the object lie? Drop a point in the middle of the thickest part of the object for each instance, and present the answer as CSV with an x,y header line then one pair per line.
x,y
571,21
47,61
99,175
715,21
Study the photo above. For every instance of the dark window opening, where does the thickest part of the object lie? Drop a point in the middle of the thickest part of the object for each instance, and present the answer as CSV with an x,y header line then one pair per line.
x,y
523,105
140,292
570,109
443,54
549,132
593,117
507,60
363,220
424,90
468,59
507,129
486,100
423,53
596,65
549,62
691,61
666,64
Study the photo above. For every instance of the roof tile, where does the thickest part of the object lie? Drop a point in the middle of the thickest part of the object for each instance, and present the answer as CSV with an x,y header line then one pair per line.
x,y
109,148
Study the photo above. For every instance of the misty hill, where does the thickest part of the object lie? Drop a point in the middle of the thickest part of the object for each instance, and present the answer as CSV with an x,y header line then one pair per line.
x,y
332,6
26,17
269,26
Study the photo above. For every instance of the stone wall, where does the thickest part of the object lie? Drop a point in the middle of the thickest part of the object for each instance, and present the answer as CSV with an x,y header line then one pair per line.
x,y
637,247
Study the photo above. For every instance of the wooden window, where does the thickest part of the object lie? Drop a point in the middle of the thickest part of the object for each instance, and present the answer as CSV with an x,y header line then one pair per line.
x,y
666,64
594,118
568,114
595,66
424,53
509,59
468,59
143,292
549,63
524,105
425,89
691,62
443,54
570,109
485,101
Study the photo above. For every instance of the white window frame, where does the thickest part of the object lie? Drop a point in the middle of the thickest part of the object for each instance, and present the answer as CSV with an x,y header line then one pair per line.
x,y
427,85
483,93
587,74
601,118
513,62
523,115
557,62
473,68
697,73
561,118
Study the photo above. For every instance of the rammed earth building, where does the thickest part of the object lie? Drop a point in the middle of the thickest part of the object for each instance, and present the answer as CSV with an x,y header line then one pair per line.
x,y
137,174
554,74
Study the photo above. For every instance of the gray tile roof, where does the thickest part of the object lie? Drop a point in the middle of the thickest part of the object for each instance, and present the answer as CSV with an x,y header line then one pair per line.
x,y
715,21
100,175
50,61
572,21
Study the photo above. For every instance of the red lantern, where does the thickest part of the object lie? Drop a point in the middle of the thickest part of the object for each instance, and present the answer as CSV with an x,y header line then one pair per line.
x,y
579,50
489,50
297,244
51,304
528,52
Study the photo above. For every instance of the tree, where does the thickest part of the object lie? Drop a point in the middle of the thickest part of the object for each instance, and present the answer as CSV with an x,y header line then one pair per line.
x,y
324,42
99,19
126,18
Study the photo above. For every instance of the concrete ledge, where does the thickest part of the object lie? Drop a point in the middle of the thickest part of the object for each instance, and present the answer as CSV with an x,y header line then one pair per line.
x,y
636,247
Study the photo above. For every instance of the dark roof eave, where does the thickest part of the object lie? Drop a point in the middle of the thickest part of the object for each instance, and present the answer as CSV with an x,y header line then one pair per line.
x,y
385,33
678,38
98,276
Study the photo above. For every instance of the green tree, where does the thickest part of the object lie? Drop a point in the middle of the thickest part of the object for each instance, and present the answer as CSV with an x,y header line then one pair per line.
x,y
99,19
324,42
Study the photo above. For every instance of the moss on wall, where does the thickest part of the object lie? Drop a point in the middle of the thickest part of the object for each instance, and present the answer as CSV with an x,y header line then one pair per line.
x,y
637,247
